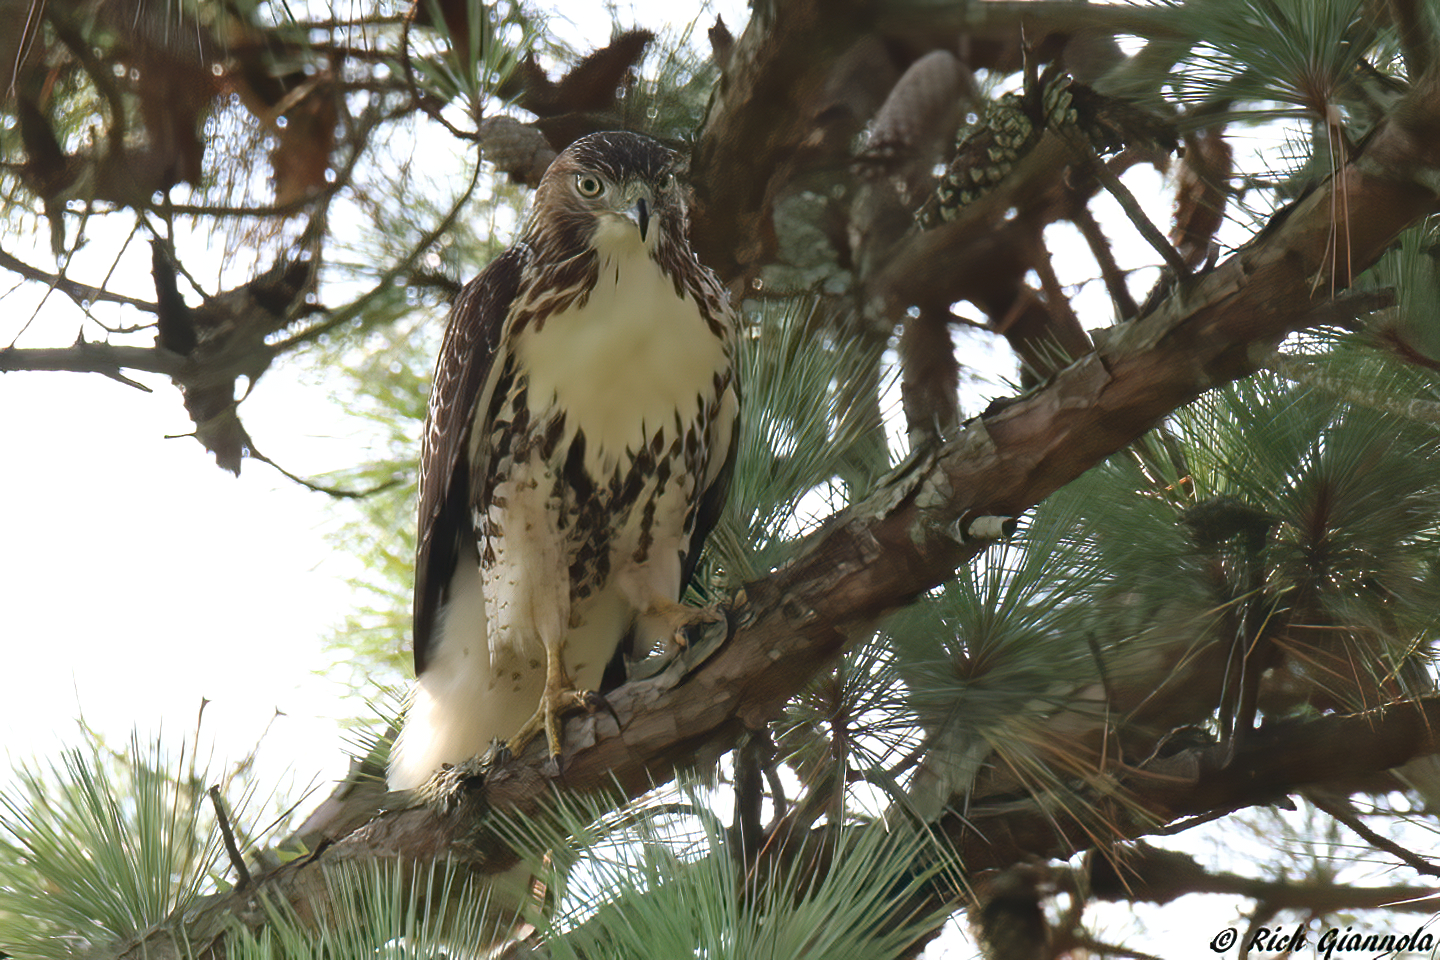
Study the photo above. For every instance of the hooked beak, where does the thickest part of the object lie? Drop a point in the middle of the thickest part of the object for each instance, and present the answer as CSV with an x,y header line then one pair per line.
x,y
642,217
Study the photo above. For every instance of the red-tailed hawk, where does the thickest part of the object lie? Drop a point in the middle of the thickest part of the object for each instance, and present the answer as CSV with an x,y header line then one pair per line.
x,y
579,441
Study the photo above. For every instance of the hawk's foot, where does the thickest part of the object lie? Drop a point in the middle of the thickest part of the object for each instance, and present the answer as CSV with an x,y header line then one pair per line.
x,y
554,704
595,702
680,619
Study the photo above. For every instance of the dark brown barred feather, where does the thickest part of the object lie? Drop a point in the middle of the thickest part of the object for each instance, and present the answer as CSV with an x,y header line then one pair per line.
x,y
467,352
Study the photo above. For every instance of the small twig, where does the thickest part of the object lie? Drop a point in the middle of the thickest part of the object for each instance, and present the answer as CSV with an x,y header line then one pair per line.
x,y
1055,299
371,118
1132,208
115,263
1190,823
1345,813
79,292
386,282
777,797
119,377
1101,948
226,834
910,759
339,493
1110,272
122,331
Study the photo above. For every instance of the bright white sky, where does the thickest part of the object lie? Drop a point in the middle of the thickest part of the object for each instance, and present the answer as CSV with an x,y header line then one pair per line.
x,y
138,578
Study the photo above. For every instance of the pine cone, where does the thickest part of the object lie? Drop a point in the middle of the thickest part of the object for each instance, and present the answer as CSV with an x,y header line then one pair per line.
x,y
516,148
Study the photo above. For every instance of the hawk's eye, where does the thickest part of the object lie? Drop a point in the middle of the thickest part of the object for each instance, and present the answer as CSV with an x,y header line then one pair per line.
x,y
589,186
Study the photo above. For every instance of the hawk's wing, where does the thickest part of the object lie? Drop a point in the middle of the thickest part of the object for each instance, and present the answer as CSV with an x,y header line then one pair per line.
x,y
715,307
712,504
467,355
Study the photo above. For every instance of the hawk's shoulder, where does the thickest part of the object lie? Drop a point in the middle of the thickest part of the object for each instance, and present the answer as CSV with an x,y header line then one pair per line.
x,y
467,355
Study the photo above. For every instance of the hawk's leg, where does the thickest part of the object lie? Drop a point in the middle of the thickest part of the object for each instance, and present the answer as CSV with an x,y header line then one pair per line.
x,y
560,695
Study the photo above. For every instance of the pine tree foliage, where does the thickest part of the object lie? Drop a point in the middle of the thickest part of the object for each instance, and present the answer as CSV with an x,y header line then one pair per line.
x,y
661,878
381,910
1387,362
1297,55
803,428
1008,628
1265,497
102,845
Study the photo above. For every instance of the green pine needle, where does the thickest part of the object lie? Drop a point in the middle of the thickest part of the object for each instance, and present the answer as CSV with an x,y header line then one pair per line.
x,y
1298,54
809,424
379,911
659,880
100,847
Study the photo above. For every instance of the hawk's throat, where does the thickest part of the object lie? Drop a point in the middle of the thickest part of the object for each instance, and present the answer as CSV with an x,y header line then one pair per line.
x,y
629,360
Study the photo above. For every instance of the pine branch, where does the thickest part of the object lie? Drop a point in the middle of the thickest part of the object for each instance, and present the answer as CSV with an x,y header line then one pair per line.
x,y
1313,375
1214,778
1125,306
1267,767
86,357
1136,213
81,293
1143,873
1344,812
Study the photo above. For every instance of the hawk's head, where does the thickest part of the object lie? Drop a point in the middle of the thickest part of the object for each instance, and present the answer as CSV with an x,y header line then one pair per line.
x,y
611,189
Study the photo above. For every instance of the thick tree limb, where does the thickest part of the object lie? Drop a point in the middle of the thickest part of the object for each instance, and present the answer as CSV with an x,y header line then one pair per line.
x,y
1416,35
882,553
761,123
1266,768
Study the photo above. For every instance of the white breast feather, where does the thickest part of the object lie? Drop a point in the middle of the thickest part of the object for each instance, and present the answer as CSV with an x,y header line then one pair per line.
x,y
623,363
